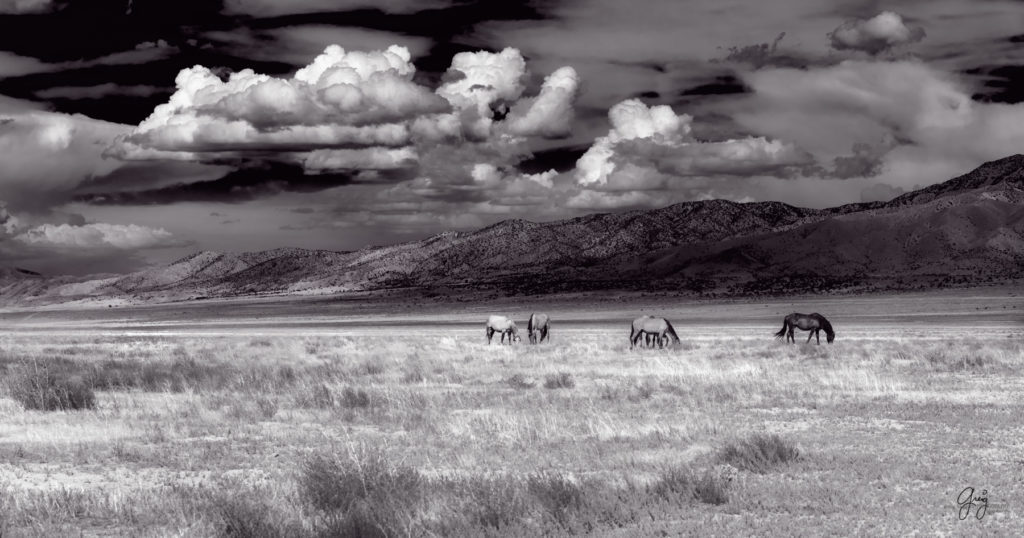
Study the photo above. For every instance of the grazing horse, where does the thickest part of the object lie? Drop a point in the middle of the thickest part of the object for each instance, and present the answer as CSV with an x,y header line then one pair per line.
x,y
814,323
537,328
503,325
660,328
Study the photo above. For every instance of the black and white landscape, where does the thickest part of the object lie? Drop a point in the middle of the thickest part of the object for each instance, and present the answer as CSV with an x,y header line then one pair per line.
x,y
270,268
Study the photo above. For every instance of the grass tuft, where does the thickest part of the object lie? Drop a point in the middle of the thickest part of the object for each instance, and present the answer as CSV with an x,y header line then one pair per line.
x,y
561,380
759,453
519,381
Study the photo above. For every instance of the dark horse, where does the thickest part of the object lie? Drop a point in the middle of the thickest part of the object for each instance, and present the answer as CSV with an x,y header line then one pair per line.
x,y
537,328
814,323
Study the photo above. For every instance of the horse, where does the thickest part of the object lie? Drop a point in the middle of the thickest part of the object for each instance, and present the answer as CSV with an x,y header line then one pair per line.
x,y
503,325
537,328
650,325
814,323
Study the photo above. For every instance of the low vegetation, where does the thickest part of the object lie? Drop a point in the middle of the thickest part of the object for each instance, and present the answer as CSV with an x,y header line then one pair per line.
x,y
412,435
759,453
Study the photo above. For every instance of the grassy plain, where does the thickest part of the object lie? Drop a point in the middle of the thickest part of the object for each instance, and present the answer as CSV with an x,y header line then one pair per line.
x,y
310,420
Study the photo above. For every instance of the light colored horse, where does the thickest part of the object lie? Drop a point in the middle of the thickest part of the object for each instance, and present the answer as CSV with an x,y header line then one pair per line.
x,y
660,328
503,325
815,323
537,328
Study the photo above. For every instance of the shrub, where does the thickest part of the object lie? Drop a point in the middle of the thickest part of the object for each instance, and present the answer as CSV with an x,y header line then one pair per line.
x,y
679,485
674,485
712,488
759,453
40,386
518,381
355,398
366,495
561,380
244,519
556,493
497,502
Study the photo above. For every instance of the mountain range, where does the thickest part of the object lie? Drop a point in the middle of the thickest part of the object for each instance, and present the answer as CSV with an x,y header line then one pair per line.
x,y
965,231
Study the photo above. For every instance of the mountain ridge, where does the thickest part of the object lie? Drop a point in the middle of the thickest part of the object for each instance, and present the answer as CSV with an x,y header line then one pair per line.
x,y
967,230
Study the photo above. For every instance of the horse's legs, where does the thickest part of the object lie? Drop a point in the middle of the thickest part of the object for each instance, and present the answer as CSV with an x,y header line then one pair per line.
x,y
809,336
635,337
791,337
817,335
490,335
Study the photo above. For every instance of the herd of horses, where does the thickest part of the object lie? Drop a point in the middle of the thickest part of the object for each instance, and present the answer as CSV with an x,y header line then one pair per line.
x,y
651,331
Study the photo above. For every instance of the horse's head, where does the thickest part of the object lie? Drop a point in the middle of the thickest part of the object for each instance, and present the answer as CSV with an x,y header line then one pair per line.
x,y
515,333
830,337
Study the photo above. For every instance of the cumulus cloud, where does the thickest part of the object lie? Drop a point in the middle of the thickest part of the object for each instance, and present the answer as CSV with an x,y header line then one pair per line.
x,y
478,81
18,7
47,155
550,114
351,109
645,143
360,159
342,99
877,34
590,200
8,222
929,126
98,235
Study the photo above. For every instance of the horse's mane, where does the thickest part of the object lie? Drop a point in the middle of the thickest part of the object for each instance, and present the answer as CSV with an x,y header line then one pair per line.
x,y
825,324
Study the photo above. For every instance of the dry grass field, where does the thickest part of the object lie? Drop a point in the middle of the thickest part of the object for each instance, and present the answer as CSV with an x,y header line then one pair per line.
x,y
286,429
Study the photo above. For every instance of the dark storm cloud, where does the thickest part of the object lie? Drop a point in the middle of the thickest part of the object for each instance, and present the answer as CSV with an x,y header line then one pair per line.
x,y
721,85
561,159
249,183
91,31
999,84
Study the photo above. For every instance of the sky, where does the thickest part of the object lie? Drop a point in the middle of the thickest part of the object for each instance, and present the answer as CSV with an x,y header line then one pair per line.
x,y
136,132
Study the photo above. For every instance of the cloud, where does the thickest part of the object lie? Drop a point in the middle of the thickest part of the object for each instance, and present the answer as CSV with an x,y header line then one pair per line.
x,y
909,123
476,81
342,99
273,8
98,235
98,91
880,192
550,114
20,7
360,159
602,201
877,34
47,155
353,110
646,143
8,222
13,65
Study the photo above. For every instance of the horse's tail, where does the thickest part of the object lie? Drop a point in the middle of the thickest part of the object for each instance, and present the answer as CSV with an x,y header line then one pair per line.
x,y
782,332
529,324
672,331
